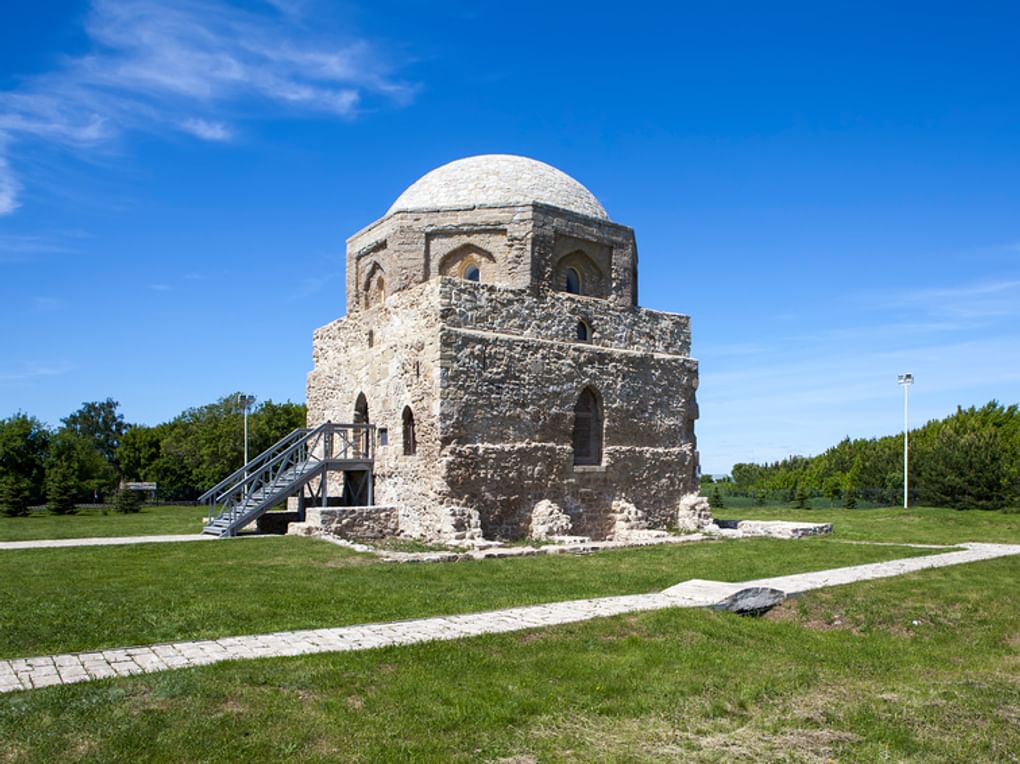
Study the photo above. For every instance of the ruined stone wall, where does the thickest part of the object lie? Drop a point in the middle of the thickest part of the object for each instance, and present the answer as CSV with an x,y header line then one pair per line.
x,y
554,316
510,381
522,247
400,368
610,246
413,247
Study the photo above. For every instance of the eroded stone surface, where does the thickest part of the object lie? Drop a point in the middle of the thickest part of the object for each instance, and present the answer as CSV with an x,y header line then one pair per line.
x,y
491,372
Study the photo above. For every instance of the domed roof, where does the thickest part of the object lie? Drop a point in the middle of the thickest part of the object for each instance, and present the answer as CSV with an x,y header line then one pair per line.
x,y
497,180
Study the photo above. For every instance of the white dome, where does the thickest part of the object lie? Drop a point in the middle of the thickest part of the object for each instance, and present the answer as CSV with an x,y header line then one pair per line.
x,y
497,180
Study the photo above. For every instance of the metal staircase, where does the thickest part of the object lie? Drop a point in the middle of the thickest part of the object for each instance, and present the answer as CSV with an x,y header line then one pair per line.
x,y
284,469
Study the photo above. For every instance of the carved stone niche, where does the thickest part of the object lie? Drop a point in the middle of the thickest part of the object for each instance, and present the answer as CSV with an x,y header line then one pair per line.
x,y
582,267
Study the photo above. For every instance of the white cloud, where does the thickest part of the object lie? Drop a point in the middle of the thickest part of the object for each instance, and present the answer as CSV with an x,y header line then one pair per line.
x,y
210,131
9,186
192,66
32,370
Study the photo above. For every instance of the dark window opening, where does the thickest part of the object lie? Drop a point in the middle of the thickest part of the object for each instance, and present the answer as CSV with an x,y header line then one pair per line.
x,y
371,338
361,417
583,331
587,435
572,281
471,273
410,438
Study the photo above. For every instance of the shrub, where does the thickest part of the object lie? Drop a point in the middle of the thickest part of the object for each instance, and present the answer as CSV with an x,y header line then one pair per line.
x,y
62,489
800,500
14,495
715,501
128,501
850,497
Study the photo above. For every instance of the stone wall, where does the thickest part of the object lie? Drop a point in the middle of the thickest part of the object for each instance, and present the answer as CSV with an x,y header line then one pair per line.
x,y
400,368
492,372
520,247
506,418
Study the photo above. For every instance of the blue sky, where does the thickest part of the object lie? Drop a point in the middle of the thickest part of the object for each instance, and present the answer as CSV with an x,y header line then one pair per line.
x,y
830,190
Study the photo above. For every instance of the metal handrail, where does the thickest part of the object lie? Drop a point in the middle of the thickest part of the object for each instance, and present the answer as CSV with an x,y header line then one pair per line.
x,y
254,463
266,470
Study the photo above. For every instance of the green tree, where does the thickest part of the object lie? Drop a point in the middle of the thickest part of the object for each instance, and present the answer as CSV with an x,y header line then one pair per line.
x,y
62,489
100,423
24,441
715,501
75,471
15,493
128,501
800,499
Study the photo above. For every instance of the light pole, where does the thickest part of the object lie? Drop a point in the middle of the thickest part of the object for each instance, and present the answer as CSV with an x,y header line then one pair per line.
x,y
246,401
906,380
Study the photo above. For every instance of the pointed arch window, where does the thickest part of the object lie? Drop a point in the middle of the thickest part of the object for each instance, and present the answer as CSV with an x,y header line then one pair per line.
x,y
361,417
587,435
583,331
410,437
572,281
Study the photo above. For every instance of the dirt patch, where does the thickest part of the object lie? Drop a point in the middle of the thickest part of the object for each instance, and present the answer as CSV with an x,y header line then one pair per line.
x,y
658,738
355,703
813,618
532,636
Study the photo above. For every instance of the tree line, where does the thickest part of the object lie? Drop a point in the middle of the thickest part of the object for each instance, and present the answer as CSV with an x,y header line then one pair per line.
x,y
968,460
94,449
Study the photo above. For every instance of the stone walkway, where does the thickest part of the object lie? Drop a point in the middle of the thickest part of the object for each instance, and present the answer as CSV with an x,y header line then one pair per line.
x,y
119,540
69,668
102,541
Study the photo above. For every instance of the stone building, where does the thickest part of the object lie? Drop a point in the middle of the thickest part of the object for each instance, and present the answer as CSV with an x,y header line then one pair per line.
x,y
494,339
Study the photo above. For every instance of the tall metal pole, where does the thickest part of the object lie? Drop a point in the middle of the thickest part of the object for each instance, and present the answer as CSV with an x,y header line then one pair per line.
x,y
906,380
246,401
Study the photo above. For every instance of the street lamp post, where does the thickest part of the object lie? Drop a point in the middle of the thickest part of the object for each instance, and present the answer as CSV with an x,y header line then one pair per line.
x,y
246,401
906,380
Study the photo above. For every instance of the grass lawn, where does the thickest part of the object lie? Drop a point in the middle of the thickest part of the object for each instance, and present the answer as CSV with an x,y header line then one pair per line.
x,y
56,600
151,521
925,667
918,525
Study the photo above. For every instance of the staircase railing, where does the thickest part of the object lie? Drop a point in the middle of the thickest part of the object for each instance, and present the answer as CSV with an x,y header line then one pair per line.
x,y
289,463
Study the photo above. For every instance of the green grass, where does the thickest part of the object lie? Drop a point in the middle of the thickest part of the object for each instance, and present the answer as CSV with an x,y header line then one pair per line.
x,y
918,525
922,667
83,598
151,521
841,674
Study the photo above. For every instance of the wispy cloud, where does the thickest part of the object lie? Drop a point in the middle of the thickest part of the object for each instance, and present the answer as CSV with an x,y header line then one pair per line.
x,y
47,304
986,299
22,247
210,131
192,66
30,371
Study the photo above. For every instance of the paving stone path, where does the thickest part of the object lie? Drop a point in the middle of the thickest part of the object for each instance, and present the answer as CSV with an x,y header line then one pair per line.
x,y
68,668
103,541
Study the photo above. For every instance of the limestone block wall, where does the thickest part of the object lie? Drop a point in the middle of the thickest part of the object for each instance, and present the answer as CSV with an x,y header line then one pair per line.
x,y
510,376
492,375
390,353
524,247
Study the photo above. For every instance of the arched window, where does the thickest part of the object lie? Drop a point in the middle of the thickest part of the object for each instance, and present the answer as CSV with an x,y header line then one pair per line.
x,y
572,281
588,428
361,417
379,293
471,273
583,331
409,437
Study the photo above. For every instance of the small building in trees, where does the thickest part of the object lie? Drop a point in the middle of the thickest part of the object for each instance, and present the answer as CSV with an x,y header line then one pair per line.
x,y
494,339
